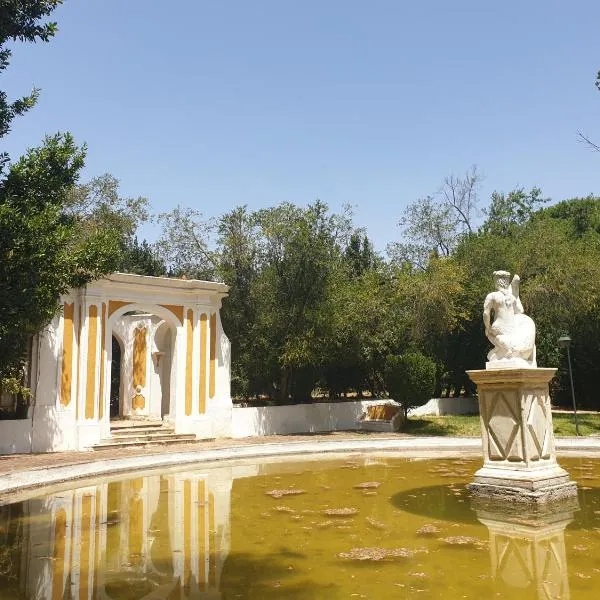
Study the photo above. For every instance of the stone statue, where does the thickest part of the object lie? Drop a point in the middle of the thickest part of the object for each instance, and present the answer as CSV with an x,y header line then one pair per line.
x,y
510,330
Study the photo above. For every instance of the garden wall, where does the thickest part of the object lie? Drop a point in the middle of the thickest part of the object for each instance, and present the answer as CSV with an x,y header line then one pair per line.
x,y
15,436
328,416
297,418
447,406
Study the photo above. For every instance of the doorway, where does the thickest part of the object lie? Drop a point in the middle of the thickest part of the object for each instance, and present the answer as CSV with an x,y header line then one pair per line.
x,y
115,378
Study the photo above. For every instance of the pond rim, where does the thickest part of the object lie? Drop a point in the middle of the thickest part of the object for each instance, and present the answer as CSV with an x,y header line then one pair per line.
x,y
25,484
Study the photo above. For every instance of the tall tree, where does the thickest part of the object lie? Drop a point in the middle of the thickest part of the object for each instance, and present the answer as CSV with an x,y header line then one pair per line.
x,y
436,224
38,261
21,21
506,212
187,243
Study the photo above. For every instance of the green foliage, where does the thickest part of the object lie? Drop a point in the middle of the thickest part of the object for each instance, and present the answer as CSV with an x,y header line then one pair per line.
x,y
140,258
410,378
21,21
312,305
506,212
38,262
186,244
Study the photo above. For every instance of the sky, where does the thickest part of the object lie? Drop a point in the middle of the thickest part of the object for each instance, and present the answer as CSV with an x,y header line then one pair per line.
x,y
369,103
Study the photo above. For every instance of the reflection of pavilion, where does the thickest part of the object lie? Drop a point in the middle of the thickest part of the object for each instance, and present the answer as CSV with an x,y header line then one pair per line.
x,y
527,550
162,536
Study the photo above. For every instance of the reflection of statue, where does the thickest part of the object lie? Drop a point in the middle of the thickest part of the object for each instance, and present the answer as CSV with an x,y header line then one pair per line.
x,y
510,330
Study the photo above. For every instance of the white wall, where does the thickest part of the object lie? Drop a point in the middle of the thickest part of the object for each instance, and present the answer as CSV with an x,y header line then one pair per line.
x,y
15,436
328,416
447,406
297,418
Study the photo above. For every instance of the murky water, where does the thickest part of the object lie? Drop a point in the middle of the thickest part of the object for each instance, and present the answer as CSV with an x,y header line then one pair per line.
x,y
358,528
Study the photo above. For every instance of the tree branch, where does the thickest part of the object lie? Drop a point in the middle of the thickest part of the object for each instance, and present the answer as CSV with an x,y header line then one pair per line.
x,y
583,138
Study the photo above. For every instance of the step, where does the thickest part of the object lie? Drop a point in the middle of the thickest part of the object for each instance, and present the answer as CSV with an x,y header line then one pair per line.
x,y
130,424
135,431
112,444
150,437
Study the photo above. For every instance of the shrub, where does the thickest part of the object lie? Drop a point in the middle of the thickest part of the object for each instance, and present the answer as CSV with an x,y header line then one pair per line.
x,y
410,379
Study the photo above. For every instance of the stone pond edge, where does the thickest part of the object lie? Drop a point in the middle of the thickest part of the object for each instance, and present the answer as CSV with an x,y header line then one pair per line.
x,y
418,446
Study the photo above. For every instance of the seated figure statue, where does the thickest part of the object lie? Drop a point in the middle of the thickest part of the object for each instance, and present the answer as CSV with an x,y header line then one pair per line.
x,y
511,332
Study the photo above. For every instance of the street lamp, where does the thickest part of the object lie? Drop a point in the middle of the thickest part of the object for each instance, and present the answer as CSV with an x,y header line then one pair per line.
x,y
565,342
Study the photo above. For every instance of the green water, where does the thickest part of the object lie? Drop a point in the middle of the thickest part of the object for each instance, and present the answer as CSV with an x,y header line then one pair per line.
x,y
357,528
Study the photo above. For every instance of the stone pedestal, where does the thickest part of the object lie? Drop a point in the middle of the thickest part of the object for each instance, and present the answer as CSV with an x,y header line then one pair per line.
x,y
518,440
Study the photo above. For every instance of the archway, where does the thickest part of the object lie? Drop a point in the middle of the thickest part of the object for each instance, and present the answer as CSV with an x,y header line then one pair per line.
x,y
146,345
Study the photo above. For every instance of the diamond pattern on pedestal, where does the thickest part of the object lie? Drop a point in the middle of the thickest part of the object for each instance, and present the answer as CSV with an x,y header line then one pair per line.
x,y
554,577
515,561
537,425
503,427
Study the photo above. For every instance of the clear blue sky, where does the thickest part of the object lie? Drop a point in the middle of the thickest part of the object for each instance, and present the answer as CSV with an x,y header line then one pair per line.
x,y
371,103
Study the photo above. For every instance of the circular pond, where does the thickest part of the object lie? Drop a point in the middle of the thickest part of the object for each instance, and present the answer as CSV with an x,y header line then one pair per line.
x,y
376,527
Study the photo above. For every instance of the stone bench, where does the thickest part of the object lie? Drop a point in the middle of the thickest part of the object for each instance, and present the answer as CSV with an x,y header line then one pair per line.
x,y
382,417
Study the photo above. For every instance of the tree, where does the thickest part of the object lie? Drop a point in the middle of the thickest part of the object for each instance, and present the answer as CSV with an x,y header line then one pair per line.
x,y
186,245
99,210
140,258
239,263
21,21
39,261
50,240
301,249
410,379
506,212
436,224
582,137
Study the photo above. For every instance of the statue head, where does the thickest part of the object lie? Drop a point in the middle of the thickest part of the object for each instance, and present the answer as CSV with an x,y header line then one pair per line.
x,y
501,279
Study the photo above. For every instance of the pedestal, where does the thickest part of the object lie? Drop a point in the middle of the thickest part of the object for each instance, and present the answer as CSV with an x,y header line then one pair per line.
x,y
519,457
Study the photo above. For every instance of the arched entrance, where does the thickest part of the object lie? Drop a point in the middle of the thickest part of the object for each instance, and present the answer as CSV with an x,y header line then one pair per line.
x,y
142,362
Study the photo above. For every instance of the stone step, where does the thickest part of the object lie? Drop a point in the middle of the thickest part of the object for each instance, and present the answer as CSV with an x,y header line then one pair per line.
x,y
136,431
131,424
149,437
167,441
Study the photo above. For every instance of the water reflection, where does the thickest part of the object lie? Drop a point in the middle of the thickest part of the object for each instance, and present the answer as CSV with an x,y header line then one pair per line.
x,y
224,533
527,547
163,536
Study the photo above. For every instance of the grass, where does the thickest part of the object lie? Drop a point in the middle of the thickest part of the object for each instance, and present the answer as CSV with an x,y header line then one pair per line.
x,y
468,425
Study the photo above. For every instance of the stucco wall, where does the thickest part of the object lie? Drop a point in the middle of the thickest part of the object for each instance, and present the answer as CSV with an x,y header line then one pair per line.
x,y
327,416
297,418
447,406
15,436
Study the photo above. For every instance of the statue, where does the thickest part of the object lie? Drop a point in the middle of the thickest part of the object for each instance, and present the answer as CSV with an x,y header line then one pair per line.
x,y
508,328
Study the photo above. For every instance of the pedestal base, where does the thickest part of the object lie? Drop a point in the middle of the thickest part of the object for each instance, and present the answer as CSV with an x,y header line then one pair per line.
x,y
519,456
505,491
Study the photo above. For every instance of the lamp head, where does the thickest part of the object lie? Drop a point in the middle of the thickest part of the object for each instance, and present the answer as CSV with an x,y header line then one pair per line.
x,y
564,341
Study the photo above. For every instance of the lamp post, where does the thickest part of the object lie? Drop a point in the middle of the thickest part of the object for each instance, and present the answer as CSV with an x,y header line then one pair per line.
x,y
565,342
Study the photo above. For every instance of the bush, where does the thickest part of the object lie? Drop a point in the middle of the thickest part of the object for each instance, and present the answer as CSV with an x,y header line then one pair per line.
x,y
410,379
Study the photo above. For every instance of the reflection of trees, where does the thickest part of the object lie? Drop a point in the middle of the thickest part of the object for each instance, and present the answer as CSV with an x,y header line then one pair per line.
x,y
11,536
248,576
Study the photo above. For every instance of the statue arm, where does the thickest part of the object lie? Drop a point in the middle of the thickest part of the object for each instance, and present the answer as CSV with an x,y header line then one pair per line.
x,y
514,288
487,311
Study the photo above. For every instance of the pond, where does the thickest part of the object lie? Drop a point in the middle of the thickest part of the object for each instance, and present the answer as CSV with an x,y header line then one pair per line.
x,y
358,527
